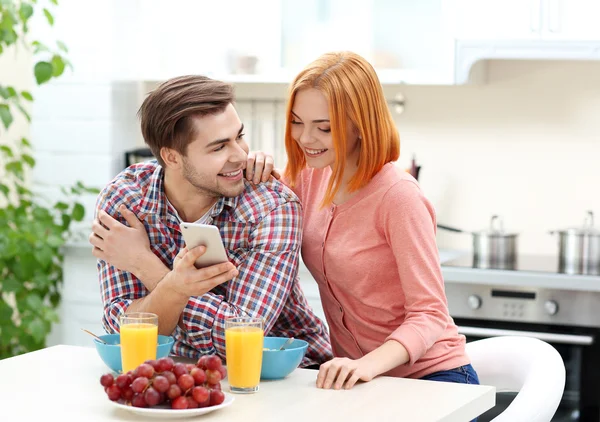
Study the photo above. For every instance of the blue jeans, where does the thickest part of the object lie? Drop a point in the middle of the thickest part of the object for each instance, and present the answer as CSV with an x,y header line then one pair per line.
x,y
463,374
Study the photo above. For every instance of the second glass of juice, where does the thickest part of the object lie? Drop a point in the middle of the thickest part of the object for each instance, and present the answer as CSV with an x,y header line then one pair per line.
x,y
139,337
243,349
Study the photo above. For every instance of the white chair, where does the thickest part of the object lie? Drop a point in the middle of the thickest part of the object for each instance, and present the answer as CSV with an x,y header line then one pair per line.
x,y
530,367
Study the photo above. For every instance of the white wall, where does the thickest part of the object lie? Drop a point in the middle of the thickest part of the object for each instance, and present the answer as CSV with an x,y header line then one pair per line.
x,y
525,146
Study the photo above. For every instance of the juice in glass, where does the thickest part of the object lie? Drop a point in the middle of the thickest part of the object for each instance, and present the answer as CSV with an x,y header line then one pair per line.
x,y
243,349
139,338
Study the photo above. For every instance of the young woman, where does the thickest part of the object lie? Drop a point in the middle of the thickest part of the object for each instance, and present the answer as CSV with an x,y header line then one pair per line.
x,y
368,231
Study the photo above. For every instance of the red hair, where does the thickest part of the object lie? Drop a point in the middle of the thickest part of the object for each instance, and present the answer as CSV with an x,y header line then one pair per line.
x,y
353,92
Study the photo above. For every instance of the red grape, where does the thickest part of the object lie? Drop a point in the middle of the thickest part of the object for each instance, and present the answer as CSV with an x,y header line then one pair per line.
x,y
179,369
185,382
205,403
139,384
160,384
174,391
138,400
145,370
214,386
152,397
107,380
213,362
165,364
216,397
153,364
200,394
123,381
223,372
127,393
198,375
179,403
189,366
192,404
202,362
170,376
114,392
213,376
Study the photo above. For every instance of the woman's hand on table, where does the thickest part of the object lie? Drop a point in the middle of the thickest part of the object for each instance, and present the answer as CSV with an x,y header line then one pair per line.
x,y
343,373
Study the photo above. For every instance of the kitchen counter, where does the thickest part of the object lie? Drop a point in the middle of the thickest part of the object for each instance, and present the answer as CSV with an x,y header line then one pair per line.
x,y
533,279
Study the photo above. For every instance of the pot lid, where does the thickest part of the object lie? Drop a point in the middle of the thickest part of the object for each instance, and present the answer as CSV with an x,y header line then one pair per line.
x,y
496,228
587,228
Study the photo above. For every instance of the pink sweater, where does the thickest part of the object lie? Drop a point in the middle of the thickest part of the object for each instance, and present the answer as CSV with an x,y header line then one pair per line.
x,y
376,262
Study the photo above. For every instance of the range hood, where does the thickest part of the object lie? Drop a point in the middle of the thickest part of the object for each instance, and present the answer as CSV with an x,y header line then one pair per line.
x,y
467,53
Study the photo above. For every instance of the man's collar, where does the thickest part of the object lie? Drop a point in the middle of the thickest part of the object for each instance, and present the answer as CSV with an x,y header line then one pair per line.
x,y
154,201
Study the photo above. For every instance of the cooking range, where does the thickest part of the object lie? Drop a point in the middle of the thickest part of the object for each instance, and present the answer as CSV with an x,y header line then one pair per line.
x,y
535,296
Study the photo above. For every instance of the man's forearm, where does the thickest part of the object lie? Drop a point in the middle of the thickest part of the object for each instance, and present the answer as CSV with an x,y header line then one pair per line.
x,y
151,271
163,303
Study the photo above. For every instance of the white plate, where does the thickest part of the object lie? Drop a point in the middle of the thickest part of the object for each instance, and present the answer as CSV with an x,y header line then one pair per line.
x,y
168,413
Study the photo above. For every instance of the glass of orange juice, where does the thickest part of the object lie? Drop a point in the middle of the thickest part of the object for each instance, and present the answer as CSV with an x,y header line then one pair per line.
x,y
139,337
243,350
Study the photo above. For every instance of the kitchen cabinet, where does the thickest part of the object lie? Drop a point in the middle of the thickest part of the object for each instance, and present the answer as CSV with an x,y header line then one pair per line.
x,y
572,20
493,19
406,41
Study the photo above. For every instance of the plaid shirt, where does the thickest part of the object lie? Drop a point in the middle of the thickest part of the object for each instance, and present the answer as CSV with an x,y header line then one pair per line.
x,y
261,231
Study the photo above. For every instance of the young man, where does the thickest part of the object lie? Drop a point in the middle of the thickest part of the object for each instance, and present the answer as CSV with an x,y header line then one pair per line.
x,y
193,130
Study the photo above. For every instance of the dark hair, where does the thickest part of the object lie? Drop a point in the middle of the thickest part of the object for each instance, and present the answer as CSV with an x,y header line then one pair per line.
x,y
167,112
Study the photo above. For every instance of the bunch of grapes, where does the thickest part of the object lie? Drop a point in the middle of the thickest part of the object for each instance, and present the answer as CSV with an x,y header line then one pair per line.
x,y
164,382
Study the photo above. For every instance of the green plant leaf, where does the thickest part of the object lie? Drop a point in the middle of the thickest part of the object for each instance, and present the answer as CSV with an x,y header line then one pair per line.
x,y
11,285
23,112
7,151
54,2
25,11
49,16
34,302
38,330
55,241
6,311
4,93
62,46
29,160
43,72
11,91
61,206
58,65
14,167
5,115
4,189
27,95
39,47
66,221
78,212
25,142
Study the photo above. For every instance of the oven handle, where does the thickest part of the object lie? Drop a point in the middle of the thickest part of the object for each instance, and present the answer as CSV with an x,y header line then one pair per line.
x,y
581,340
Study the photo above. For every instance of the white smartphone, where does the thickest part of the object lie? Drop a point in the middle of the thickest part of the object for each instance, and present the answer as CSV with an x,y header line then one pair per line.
x,y
196,234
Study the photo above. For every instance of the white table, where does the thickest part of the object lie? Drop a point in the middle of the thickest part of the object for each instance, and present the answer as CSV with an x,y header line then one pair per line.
x,y
64,382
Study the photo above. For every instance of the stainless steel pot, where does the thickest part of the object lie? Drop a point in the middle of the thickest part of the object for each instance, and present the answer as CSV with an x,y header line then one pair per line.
x,y
492,248
579,248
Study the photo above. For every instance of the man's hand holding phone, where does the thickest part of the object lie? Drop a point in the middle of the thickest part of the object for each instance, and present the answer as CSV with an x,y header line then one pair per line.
x,y
186,280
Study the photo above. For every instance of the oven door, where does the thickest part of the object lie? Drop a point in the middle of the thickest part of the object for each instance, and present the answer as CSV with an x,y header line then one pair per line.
x,y
575,345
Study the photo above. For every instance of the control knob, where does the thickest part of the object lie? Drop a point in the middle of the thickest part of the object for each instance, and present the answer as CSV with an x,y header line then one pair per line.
x,y
551,307
474,302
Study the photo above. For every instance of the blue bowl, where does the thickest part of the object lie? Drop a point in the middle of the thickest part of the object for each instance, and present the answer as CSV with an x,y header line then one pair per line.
x,y
278,364
111,352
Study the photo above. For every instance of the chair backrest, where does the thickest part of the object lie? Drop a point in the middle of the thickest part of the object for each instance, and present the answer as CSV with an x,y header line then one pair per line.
x,y
526,365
